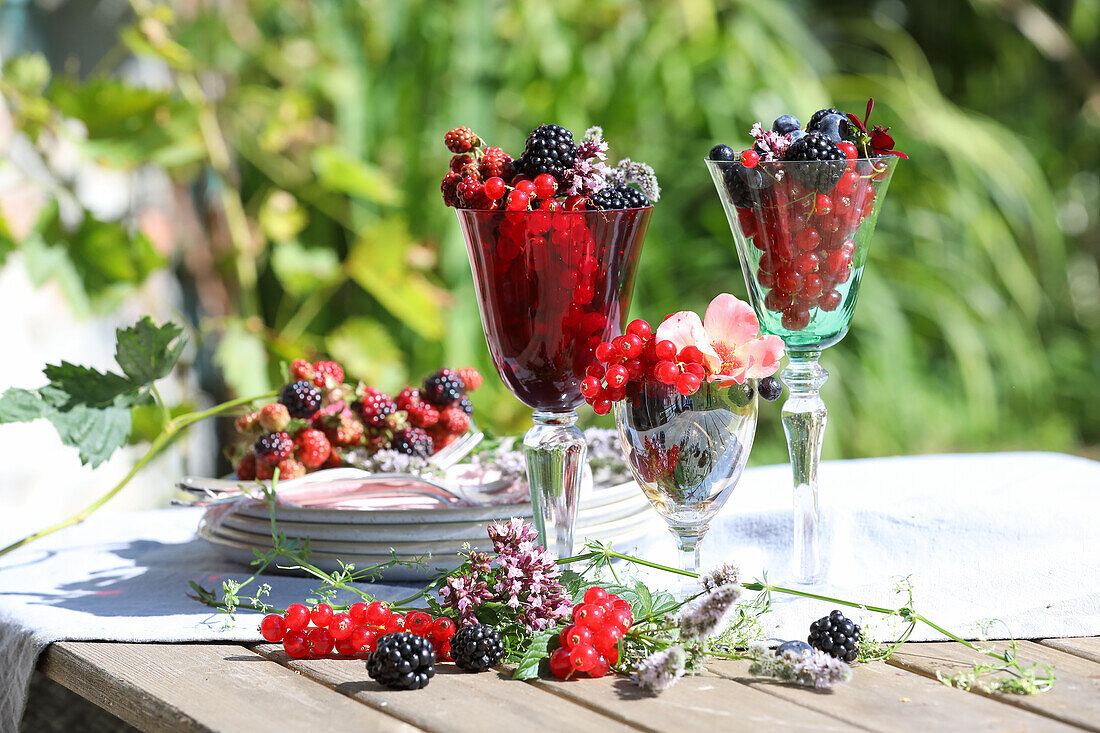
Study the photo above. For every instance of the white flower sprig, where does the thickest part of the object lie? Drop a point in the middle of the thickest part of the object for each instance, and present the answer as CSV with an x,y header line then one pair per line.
x,y
708,616
817,670
661,669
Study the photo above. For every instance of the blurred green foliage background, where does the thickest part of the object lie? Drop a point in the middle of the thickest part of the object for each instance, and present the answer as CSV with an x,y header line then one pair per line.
x,y
304,138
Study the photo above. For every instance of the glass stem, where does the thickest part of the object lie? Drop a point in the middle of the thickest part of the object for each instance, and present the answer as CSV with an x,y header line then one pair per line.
x,y
688,543
555,450
804,420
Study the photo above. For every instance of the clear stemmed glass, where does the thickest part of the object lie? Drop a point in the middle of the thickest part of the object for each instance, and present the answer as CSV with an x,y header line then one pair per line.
x,y
551,286
802,231
687,453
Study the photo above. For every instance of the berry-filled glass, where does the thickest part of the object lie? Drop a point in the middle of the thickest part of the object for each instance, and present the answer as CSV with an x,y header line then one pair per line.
x,y
552,286
802,206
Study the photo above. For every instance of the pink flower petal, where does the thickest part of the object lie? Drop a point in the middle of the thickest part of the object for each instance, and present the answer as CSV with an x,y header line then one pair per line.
x,y
765,353
730,321
685,329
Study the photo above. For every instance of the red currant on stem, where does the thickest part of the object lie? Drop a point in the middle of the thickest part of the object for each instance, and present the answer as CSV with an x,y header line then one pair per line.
x,y
606,353
696,369
600,668
750,158
849,149
518,201
575,634
621,617
395,624
666,372
297,616
443,628
273,627
341,626
294,644
617,375
378,613
847,183
692,355
363,640
583,657
320,642
639,328
595,371
631,345
590,387
607,638
344,648
545,185
688,384
358,613
822,204
601,406
321,615
418,622
665,350
528,187
590,615
808,239
560,664
494,188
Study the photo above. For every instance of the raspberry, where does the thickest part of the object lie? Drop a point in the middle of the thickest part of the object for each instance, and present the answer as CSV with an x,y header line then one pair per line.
x,y
374,409
333,461
407,398
422,415
249,423
246,467
442,388
301,398
461,140
455,420
290,469
313,447
476,648
271,448
464,165
836,636
327,374
402,661
449,187
441,437
346,431
301,369
470,377
495,162
413,442
274,417
264,471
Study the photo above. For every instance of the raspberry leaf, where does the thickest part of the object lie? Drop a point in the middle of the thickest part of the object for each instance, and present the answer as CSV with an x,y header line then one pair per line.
x,y
83,385
146,351
96,432
22,405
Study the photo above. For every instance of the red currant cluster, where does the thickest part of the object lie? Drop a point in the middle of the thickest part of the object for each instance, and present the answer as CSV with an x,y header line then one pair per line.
x,y
807,239
591,644
638,356
317,414
320,630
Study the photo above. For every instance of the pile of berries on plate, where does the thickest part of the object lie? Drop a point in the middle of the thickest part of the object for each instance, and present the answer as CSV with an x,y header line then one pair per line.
x,y
320,630
801,196
554,173
590,645
318,415
637,356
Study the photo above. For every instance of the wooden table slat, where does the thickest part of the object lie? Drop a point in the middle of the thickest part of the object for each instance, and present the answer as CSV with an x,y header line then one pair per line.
x,y
204,687
703,702
1075,698
456,701
1086,646
884,698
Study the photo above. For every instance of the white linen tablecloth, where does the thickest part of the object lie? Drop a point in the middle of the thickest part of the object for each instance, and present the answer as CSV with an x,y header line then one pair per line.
x,y
1011,536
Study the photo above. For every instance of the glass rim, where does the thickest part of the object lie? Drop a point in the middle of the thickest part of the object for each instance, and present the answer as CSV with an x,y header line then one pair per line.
x,y
878,159
532,211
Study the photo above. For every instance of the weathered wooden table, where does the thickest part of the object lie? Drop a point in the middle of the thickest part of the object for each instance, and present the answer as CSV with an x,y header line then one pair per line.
x,y
229,687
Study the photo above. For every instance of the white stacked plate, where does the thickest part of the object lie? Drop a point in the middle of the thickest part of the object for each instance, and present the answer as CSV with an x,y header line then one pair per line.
x,y
433,536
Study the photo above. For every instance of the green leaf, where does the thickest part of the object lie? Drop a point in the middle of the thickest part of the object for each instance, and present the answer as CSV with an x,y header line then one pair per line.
x,y
368,352
22,405
96,432
87,386
539,649
378,263
282,217
29,73
302,270
339,170
145,350
243,359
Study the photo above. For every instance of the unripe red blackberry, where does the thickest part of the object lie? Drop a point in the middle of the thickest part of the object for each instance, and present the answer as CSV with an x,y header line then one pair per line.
x,y
461,140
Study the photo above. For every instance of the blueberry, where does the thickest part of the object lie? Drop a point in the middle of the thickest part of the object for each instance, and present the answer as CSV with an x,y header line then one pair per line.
x,y
785,123
770,388
834,127
722,152
797,646
796,134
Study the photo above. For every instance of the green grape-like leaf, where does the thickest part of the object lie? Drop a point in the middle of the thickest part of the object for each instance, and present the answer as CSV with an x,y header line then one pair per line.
x,y
146,352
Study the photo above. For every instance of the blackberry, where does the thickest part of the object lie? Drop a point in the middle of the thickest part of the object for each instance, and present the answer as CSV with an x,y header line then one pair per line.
x,y
402,661
770,388
442,388
466,405
797,646
743,184
273,447
786,123
412,442
821,114
722,153
549,149
301,398
836,636
816,148
375,408
617,197
476,648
